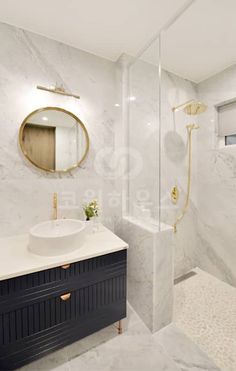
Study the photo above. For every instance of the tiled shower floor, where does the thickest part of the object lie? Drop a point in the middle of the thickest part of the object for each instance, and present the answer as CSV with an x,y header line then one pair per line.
x,y
205,310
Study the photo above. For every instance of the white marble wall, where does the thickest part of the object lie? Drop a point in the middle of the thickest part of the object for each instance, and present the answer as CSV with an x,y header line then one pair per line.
x,y
174,169
216,183
143,136
27,60
206,235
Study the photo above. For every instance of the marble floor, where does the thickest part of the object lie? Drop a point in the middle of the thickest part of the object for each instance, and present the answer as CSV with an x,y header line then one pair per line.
x,y
205,310
135,350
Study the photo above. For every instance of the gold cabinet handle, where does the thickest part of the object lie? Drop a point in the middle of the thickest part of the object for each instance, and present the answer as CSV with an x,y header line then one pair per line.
x,y
65,296
65,266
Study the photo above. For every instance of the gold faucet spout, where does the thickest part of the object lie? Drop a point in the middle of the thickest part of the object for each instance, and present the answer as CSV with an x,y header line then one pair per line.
x,y
55,206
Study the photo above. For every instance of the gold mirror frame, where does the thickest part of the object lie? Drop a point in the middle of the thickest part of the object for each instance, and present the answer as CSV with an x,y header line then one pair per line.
x,y
60,110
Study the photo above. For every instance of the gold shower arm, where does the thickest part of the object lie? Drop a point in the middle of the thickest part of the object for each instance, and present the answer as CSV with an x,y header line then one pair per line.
x,y
182,105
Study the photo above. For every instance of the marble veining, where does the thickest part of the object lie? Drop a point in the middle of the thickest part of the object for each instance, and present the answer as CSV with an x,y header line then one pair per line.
x,y
150,271
186,355
135,350
28,60
216,182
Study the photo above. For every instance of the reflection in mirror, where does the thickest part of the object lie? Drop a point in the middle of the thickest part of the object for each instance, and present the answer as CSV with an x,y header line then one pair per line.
x,y
54,139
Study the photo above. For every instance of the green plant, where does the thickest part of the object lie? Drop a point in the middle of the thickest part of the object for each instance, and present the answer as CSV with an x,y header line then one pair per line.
x,y
91,209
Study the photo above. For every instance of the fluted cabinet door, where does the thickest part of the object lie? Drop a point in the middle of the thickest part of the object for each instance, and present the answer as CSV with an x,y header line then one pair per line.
x,y
47,310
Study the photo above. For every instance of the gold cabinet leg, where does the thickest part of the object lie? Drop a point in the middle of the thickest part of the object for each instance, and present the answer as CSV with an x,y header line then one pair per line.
x,y
119,328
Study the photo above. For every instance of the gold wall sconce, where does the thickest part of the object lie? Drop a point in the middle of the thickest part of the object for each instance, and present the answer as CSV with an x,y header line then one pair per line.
x,y
57,90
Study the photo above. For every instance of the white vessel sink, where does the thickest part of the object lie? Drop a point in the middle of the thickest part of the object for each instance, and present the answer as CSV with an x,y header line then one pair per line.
x,y
57,237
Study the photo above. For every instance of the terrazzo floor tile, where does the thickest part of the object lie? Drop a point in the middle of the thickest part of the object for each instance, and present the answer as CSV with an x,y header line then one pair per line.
x,y
205,310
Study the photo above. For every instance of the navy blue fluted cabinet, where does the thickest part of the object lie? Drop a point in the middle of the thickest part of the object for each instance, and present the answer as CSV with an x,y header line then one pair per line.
x,y
44,311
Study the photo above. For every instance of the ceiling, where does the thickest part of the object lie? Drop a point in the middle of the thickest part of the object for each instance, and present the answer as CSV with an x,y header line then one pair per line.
x,y
202,42
199,44
106,28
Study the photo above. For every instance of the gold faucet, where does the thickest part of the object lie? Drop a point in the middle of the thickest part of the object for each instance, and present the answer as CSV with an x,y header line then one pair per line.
x,y
54,215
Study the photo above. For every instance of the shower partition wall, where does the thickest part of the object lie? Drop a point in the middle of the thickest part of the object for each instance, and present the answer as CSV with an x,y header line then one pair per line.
x,y
150,256
156,162
156,147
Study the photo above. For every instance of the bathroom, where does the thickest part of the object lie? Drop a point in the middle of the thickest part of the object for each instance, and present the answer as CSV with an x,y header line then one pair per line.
x,y
118,168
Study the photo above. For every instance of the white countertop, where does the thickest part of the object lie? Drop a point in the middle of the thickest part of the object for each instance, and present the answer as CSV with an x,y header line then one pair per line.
x,y
17,260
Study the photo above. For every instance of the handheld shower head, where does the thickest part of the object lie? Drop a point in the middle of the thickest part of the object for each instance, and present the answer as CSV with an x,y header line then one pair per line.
x,y
192,126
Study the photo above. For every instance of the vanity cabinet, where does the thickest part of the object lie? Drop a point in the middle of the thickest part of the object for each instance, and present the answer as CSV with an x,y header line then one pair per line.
x,y
44,311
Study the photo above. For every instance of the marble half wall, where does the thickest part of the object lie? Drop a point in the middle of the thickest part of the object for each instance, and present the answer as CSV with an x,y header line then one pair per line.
x,y
150,271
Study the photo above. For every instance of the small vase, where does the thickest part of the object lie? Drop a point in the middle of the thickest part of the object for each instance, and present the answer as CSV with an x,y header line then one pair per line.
x,y
89,225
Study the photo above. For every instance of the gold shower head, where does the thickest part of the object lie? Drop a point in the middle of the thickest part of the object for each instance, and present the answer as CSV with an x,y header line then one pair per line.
x,y
195,108
191,107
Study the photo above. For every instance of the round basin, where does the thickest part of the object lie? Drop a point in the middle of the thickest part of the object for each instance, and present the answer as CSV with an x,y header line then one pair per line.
x,y
57,237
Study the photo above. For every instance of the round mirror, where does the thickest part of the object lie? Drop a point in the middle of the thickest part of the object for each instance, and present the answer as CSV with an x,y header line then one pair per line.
x,y
54,139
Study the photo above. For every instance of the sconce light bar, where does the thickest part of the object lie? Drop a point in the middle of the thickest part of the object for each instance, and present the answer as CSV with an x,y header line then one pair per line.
x,y
58,90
